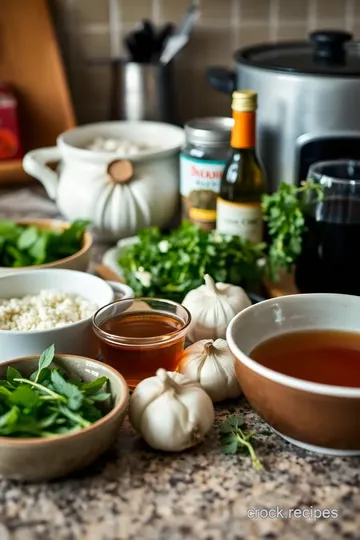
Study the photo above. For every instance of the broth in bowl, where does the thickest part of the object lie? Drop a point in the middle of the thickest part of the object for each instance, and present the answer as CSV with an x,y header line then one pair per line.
x,y
321,356
298,364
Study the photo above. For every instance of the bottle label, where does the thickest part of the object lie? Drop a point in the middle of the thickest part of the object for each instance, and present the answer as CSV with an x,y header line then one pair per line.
x,y
199,186
240,219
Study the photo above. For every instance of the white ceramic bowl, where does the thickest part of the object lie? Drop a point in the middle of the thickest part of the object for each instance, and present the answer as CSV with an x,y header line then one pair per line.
x,y
75,338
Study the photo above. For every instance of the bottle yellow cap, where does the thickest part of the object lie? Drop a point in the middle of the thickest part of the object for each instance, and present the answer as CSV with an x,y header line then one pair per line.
x,y
244,100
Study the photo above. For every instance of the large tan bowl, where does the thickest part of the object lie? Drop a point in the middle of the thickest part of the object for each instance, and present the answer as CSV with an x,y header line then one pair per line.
x,y
37,459
317,417
78,261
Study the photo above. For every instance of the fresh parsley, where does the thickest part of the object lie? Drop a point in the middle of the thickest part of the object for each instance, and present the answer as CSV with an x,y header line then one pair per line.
x,y
234,438
48,403
170,265
284,213
28,245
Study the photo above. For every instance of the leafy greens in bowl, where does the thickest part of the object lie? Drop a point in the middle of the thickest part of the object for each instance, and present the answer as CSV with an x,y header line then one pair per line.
x,y
56,414
40,242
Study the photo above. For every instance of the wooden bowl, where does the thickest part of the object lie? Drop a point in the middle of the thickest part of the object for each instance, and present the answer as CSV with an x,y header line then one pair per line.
x,y
78,261
38,459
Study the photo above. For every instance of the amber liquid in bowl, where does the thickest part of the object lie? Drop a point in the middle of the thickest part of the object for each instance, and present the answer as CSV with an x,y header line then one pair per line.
x,y
321,356
136,362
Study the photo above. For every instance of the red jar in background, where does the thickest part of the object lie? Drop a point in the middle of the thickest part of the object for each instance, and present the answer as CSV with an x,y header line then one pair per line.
x,y
10,142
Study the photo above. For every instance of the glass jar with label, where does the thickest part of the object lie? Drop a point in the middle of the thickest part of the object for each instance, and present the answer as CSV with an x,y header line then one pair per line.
x,y
202,163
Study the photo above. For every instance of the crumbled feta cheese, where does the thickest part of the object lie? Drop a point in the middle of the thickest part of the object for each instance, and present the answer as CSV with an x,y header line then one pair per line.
x,y
48,309
163,246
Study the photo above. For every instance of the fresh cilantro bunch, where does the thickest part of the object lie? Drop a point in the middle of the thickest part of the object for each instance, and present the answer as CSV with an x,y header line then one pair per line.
x,y
48,402
170,265
28,245
284,212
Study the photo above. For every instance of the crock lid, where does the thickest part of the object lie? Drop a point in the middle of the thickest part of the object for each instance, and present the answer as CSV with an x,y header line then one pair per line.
x,y
328,52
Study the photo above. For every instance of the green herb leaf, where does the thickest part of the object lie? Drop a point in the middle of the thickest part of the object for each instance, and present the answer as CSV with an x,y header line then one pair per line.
x,y
74,417
283,211
42,376
48,420
230,447
11,374
9,417
24,396
93,386
234,422
67,389
5,392
101,397
45,360
27,238
233,437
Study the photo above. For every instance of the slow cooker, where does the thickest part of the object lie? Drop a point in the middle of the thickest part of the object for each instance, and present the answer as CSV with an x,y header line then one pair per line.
x,y
309,100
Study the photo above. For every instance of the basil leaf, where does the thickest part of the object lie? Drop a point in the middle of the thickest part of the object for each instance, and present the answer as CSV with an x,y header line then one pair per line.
x,y
24,396
93,386
11,374
46,357
68,390
27,238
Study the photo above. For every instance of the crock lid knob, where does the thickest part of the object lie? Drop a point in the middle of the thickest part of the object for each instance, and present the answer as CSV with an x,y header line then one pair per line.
x,y
329,45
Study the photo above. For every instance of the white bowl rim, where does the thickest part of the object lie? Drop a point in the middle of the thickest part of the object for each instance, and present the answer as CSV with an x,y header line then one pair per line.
x,y
287,380
36,441
107,157
59,328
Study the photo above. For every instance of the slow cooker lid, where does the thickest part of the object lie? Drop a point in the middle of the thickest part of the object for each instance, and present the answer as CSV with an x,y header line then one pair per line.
x,y
328,52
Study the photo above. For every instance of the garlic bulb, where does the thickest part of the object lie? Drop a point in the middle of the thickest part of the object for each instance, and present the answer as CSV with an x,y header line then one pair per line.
x,y
212,306
170,411
212,365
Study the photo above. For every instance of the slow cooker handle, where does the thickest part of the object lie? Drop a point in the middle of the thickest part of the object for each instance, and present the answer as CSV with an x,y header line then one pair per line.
x,y
221,79
329,45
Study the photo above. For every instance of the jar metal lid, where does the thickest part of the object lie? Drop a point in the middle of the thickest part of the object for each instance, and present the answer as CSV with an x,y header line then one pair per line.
x,y
210,130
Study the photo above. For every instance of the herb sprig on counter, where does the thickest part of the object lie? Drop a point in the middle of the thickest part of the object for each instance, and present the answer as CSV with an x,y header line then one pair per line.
x,y
283,211
48,402
170,265
28,245
235,438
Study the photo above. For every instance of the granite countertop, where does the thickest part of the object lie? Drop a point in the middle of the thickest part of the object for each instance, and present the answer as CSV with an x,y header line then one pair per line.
x,y
133,492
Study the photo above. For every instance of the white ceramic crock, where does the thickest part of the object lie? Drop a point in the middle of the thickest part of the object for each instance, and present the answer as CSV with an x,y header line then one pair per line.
x,y
75,338
84,188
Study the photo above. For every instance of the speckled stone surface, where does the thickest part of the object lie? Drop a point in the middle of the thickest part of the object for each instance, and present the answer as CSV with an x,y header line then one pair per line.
x,y
134,493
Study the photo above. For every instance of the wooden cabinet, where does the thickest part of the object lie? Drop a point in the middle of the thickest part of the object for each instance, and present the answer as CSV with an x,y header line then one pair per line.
x,y
30,61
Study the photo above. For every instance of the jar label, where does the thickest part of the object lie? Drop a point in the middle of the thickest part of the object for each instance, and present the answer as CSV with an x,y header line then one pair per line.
x,y
240,219
199,186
